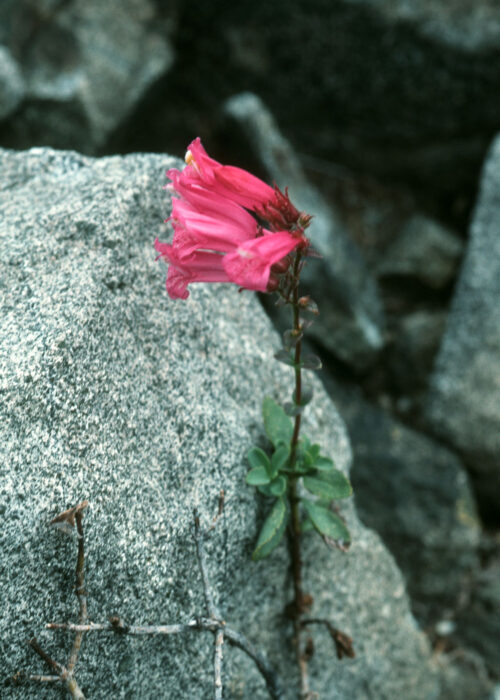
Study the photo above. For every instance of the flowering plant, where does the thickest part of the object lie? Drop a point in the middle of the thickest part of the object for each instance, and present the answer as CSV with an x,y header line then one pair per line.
x,y
216,238
230,226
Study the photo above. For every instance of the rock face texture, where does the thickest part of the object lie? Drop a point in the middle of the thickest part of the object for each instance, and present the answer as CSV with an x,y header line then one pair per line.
x,y
464,397
145,407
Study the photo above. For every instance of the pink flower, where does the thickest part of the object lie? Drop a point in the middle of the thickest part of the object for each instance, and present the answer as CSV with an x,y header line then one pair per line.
x,y
251,263
216,224
201,267
216,238
235,184
248,265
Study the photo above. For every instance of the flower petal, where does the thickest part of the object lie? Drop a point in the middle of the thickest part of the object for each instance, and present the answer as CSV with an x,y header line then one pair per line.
x,y
199,267
250,265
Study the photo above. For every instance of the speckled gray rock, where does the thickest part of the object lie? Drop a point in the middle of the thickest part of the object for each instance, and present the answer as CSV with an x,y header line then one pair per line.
x,y
146,407
351,323
415,493
464,397
11,84
87,66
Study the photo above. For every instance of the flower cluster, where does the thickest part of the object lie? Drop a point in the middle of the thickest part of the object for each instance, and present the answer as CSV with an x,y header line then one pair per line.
x,y
219,237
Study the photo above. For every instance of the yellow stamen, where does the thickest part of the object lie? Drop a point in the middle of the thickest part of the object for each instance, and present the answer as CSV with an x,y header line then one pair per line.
x,y
189,158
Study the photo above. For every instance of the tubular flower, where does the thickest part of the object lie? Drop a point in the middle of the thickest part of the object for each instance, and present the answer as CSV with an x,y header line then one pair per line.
x,y
216,237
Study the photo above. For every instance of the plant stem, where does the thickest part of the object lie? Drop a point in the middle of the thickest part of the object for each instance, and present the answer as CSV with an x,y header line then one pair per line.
x,y
295,551
297,358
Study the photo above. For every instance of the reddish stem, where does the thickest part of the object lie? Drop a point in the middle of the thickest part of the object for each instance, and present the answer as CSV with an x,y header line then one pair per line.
x,y
295,550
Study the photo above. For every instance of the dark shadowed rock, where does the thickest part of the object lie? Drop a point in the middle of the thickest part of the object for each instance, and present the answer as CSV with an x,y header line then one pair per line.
x,y
416,495
465,676
464,397
146,407
479,624
424,251
11,84
392,87
351,322
416,341
86,65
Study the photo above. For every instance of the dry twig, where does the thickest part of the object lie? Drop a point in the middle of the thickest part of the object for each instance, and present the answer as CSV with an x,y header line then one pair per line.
x,y
65,674
213,623
212,609
342,641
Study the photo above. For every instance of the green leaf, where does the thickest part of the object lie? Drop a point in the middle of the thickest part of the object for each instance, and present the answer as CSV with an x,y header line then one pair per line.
x,y
265,490
305,323
279,427
272,530
324,464
285,357
291,409
258,458
258,476
326,522
279,459
300,467
314,451
311,362
303,447
308,312
318,487
303,463
291,338
329,485
308,462
278,486
306,525
308,306
305,395
338,481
